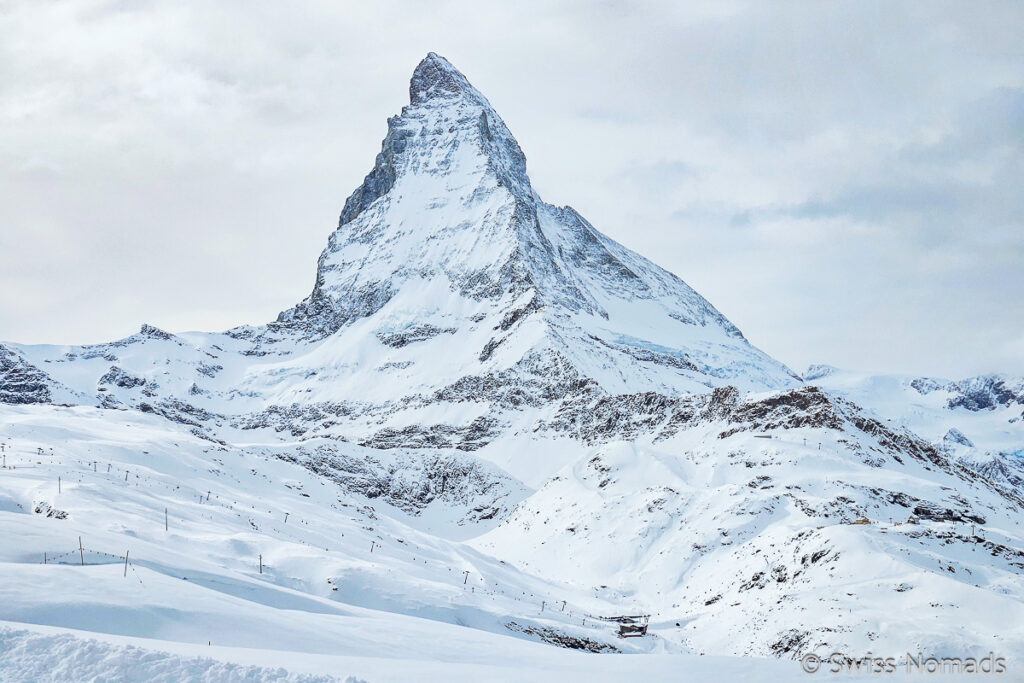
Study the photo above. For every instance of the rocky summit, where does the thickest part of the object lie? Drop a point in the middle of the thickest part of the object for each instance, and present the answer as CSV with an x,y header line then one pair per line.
x,y
488,414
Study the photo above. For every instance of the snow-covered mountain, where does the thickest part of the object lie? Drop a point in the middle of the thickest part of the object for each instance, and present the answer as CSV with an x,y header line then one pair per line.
x,y
978,420
447,281
489,415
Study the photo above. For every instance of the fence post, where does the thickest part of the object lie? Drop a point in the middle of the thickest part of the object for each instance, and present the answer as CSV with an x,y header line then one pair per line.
x,y
165,519
261,563
126,563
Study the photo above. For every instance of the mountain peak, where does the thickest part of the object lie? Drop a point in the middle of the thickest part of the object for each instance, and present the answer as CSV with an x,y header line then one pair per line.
x,y
435,77
446,114
446,235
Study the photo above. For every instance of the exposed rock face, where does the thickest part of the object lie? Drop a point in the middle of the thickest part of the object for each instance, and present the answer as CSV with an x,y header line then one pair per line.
x,y
154,332
412,482
987,393
120,378
628,417
20,381
955,436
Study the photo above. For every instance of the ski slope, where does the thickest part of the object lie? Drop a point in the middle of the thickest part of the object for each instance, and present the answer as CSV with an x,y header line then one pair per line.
x,y
194,591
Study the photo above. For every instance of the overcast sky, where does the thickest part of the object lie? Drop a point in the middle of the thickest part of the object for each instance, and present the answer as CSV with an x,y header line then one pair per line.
x,y
844,181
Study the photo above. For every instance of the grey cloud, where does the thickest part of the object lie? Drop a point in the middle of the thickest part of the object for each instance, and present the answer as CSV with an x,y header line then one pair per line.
x,y
923,181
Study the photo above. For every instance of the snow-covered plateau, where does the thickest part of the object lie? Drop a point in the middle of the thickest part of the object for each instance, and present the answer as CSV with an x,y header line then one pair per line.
x,y
488,432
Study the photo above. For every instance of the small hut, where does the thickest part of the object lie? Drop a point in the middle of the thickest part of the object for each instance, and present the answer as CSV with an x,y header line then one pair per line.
x,y
633,626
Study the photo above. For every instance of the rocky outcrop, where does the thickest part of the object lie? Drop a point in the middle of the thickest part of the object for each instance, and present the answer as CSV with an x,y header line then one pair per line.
x,y
986,393
20,381
412,482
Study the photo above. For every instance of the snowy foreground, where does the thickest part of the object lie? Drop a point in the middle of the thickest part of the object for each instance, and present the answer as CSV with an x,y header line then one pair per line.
x,y
195,592
191,603
44,654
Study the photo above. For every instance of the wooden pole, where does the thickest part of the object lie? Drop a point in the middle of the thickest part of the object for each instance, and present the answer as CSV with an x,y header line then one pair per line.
x,y
126,475
467,577
58,484
285,516
261,563
126,563
81,551
165,519
44,558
